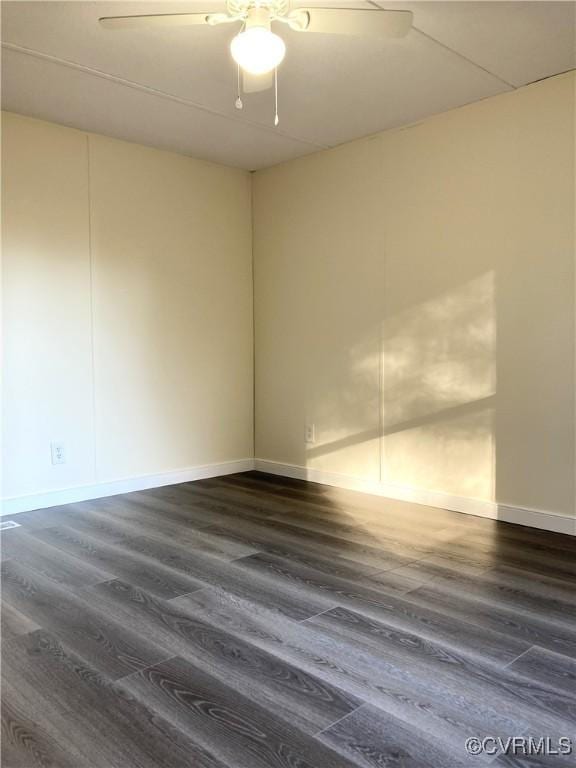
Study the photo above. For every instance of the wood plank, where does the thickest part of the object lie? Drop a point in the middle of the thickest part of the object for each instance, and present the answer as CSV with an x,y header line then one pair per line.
x,y
205,502
203,571
102,642
331,497
379,603
261,539
387,555
485,586
360,508
372,739
58,566
201,561
549,668
105,524
556,588
535,539
439,703
239,732
547,562
290,692
317,625
14,624
27,739
262,503
531,627
117,561
341,519
360,534
535,761
96,724
506,685
37,518
170,503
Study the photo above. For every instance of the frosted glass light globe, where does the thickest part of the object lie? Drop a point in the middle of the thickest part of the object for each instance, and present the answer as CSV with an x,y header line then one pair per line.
x,y
257,50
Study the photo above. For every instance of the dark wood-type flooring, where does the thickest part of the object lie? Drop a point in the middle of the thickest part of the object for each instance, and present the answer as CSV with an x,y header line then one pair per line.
x,y
258,622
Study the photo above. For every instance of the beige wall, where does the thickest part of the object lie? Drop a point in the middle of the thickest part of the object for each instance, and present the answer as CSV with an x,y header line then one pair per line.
x,y
415,302
127,309
47,362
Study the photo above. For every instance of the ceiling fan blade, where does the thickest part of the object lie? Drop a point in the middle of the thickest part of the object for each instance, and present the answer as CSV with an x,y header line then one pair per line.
x,y
364,23
154,20
255,83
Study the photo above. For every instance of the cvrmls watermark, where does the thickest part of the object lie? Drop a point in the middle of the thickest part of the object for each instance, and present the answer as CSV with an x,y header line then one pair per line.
x,y
519,745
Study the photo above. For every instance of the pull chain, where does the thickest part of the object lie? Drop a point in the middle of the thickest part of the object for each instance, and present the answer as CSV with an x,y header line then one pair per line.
x,y
238,103
276,118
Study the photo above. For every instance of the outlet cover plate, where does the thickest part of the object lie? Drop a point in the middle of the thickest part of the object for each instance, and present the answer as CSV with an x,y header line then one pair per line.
x,y
310,433
58,453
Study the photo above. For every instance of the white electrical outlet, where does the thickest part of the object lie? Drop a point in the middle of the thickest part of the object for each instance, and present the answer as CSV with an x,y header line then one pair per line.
x,y
58,452
310,435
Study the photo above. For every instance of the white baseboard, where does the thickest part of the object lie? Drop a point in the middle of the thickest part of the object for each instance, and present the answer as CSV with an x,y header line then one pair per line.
x,y
534,518
16,504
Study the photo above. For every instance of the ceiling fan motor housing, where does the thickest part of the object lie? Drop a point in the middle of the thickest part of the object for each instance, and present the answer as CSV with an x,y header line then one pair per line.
x,y
258,17
242,7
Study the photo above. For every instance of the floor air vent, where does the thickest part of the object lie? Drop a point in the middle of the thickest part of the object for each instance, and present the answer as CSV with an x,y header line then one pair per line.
x,y
5,524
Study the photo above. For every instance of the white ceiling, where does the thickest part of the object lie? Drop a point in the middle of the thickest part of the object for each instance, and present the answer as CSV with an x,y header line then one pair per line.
x,y
175,87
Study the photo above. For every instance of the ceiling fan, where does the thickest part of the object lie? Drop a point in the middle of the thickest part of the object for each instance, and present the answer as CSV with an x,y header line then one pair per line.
x,y
257,50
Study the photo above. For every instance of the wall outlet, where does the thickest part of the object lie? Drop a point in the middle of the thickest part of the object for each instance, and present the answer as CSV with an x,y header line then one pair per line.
x,y
310,433
58,452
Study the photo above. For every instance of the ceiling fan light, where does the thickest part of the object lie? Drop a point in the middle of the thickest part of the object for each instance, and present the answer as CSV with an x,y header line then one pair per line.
x,y
258,50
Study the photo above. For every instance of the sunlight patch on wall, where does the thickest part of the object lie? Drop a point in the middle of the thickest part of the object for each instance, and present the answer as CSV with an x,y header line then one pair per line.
x,y
439,389
342,403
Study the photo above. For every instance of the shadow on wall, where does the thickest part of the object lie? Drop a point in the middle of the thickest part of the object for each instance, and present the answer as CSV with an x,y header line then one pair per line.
x,y
434,379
